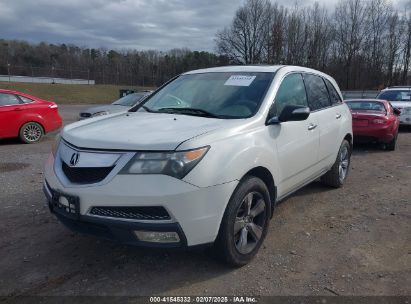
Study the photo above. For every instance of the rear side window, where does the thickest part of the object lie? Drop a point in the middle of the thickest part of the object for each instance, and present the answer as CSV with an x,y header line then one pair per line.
x,y
290,93
8,99
317,92
25,99
334,96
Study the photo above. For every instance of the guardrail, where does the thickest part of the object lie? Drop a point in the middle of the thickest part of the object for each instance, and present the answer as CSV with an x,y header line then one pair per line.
x,y
360,94
29,79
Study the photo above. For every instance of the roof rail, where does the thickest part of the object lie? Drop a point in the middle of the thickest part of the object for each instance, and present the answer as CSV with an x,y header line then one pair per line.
x,y
397,87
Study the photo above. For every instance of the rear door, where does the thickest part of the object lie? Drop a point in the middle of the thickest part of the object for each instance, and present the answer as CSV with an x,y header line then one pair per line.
x,y
297,141
10,112
328,115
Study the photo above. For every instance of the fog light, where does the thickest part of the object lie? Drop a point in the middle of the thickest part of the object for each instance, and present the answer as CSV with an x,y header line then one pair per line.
x,y
157,236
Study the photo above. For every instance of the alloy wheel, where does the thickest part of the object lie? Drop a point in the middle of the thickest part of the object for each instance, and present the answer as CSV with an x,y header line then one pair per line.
x,y
249,222
344,163
32,132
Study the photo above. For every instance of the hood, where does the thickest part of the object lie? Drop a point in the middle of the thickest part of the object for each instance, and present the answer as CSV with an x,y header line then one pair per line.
x,y
138,131
108,108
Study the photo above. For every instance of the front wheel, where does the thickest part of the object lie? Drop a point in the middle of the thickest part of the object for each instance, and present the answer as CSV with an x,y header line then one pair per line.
x,y
338,173
245,222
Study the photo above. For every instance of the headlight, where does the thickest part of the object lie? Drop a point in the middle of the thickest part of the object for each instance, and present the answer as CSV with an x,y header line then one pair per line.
x,y
55,146
176,164
99,114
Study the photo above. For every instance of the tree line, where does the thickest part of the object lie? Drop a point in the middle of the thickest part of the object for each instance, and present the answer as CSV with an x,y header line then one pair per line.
x,y
125,67
362,44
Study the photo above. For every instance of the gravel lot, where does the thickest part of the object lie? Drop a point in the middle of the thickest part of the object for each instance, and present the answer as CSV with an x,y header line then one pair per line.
x,y
351,241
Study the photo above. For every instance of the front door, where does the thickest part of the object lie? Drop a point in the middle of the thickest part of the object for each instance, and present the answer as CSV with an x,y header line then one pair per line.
x,y
297,141
10,111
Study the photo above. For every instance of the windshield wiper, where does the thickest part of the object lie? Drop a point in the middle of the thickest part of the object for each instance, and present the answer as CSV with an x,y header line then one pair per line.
x,y
189,111
148,109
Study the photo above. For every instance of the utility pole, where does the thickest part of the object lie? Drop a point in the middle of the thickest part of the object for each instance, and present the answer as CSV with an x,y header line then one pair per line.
x,y
52,73
8,70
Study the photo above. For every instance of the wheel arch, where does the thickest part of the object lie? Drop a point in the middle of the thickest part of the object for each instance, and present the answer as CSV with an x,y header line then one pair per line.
x,y
349,138
35,121
265,175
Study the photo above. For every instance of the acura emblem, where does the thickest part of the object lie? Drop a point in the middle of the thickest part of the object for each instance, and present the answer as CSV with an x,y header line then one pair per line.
x,y
74,159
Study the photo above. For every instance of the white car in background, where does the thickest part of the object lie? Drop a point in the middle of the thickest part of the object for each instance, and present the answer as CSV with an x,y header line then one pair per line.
x,y
203,160
400,98
123,104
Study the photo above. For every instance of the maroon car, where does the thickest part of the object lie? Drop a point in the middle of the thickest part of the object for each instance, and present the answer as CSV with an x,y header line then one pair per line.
x,y
374,120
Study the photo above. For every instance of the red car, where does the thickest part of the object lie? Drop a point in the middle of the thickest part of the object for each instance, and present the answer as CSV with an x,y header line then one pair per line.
x,y
375,120
26,117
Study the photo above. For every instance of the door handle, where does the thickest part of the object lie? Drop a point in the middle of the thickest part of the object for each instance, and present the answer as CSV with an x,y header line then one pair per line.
x,y
311,127
338,116
18,109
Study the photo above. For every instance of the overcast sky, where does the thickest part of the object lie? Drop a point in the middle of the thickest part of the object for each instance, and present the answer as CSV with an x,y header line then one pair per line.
x,y
122,24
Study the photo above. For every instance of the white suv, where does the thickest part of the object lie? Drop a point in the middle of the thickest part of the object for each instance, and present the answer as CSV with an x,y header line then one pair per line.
x,y
204,160
400,98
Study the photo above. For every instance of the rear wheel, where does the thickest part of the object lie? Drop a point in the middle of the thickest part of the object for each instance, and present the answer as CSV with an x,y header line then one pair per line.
x,y
391,145
339,171
31,132
245,223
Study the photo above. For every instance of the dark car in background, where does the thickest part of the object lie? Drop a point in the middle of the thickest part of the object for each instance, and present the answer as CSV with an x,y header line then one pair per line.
x,y
374,121
121,105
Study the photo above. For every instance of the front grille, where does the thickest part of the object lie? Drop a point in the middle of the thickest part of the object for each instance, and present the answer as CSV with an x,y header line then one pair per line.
x,y
85,114
134,213
86,175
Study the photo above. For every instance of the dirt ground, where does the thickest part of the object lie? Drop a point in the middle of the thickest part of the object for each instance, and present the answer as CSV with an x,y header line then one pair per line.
x,y
351,241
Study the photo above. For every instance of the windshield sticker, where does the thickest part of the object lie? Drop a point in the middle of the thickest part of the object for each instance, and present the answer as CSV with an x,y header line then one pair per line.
x,y
239,80
406,97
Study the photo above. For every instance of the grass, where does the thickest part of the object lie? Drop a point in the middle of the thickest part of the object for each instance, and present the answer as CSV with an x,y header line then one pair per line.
x,y
70,93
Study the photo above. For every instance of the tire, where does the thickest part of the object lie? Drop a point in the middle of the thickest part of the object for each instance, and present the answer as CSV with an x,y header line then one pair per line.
x,y
242,229
338,173
31,133
391,145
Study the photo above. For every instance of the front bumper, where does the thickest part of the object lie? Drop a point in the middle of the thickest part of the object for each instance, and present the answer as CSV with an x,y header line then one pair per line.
x,y
195,212
114,230
405,119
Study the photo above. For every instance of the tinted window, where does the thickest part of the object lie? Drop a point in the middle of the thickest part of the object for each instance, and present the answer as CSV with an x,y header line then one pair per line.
x,y
334,96
8,99
291,92
317,92
395,95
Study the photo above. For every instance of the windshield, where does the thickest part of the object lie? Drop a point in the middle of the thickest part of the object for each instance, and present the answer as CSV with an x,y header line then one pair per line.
x,y
364,105
217,95
129,100
396,95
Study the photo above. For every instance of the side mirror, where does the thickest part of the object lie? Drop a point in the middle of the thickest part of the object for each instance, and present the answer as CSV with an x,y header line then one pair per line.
x,y
397,111
294,113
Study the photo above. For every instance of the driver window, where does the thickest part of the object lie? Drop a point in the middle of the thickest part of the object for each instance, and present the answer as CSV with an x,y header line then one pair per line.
x,y
290,93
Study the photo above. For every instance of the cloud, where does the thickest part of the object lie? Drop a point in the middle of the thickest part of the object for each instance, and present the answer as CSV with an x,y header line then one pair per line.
x,y
120,24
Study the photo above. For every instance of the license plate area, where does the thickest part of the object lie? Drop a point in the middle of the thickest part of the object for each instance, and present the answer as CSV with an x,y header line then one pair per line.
x,y
360,122
66,205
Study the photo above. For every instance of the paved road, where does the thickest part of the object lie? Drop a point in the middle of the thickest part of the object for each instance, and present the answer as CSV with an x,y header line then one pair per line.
x,y
351,241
